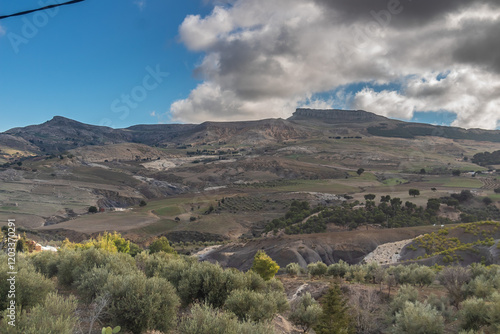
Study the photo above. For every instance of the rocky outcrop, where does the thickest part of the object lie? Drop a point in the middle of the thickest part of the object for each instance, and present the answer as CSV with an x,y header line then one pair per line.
x,y
337,115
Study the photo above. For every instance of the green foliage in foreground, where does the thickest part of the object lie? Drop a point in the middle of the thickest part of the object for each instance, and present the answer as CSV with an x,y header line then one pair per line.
x,y
55,315
206,320
148,292
335,317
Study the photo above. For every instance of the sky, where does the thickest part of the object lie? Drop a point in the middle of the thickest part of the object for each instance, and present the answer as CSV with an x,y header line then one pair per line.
x,y
123,62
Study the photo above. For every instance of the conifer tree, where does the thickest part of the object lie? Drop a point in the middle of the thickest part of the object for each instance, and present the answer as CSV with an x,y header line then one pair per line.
x,y
335,318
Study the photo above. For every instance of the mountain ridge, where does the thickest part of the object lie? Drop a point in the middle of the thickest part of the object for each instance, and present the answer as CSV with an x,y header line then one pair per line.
x,y
61,134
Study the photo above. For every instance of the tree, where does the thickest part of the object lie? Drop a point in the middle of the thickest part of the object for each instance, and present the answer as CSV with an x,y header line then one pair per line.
x,y
256,306
418,318
305,312
161,245
423,171
433,204
264,265
139,303
143,203
317,269
370,197
487,201
456,172
92,209
335,317
293,269
360,171
396,202
206,320
414,192
453,278
473,313
385,199
55,315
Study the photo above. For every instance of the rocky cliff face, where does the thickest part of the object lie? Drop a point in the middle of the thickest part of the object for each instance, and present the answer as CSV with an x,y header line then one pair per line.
x,y
337,115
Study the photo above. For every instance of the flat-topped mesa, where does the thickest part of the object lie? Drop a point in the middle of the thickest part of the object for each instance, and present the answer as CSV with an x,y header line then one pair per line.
x,y
336,115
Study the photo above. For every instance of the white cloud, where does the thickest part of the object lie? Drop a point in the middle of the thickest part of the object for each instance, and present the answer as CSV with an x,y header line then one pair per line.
x,y
140,4
265,58
2,31
152,114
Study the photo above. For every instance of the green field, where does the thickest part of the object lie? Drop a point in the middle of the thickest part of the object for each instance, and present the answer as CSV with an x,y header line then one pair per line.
x,y
323,186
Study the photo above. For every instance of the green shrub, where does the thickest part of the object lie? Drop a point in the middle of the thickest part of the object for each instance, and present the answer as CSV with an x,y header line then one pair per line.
x,y
305,312
473,313
46,263
55,315
317,269
405,294
254,281
203,282
493,313
205,320
293,269
338,269
92,283
31,287
264,265
418,318
161,245
256,306
139,303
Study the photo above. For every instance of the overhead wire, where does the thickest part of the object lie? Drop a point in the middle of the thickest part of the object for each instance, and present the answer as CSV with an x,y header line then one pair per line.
x,y
39,9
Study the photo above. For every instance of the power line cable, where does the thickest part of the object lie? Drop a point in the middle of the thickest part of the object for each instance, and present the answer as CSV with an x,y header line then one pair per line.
x,y
39,9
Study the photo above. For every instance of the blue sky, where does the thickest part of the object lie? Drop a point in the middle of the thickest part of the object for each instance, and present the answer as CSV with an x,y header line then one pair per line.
x,y
124,62
87,55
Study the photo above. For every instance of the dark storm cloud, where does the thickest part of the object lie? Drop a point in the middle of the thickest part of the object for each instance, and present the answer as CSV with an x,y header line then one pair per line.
x,y
480,45
401,13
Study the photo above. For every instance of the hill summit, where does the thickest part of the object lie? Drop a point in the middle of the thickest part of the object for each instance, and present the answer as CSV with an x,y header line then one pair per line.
x,y
336,115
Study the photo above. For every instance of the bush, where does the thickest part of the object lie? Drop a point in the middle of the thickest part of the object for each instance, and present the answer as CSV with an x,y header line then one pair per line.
x,y
405,294
93,209
293,269
423,276
46,263
418,318
264,265
317,269
493,313
161,245
75,263
338,269
205,320
203,282
453,278
305,312
139,303
473,313
256,306
55,315
31,287
92,283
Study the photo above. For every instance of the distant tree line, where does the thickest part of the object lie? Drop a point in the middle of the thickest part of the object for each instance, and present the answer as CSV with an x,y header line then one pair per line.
x,y
487,158
391,212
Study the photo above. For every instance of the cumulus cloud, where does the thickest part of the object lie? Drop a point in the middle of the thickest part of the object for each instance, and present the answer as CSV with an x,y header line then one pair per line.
x,y
265,58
